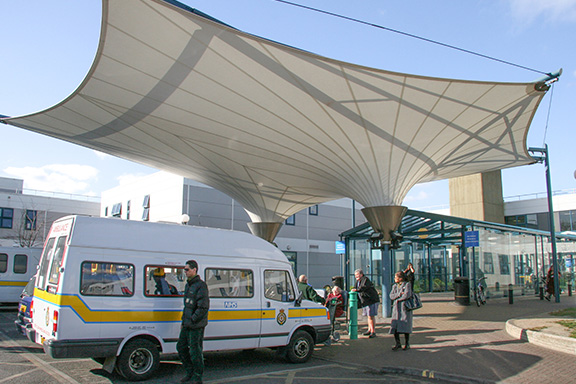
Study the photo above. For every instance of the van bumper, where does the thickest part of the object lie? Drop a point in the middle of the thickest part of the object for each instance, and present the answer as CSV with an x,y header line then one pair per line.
x,y
322,333
59,349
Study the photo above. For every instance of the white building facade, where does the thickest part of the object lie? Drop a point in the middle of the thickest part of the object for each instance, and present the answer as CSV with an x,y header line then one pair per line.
x,y
26,215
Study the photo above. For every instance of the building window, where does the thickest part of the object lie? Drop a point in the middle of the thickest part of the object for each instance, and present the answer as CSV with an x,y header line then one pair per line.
x,y
105,211
146,206
128,210
504,264
567,220
30,224
6,217
488,263
313,210
117,210
291,220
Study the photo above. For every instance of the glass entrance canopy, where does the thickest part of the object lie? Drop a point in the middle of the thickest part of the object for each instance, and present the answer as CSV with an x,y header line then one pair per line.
x,y
439,248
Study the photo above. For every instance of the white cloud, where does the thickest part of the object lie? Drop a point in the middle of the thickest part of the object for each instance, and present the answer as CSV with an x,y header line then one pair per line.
x,y
67,178
547,10
101,155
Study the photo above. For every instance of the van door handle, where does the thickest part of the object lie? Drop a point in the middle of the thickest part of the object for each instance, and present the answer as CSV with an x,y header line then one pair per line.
x,y
267,304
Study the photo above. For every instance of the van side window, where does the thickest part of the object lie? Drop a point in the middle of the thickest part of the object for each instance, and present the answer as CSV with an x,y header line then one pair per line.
x,y
20,263
278,286
164,281
229,282
106,279
57,260
3,262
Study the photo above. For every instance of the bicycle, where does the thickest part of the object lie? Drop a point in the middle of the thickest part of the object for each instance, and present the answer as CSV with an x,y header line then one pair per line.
x,y
480,292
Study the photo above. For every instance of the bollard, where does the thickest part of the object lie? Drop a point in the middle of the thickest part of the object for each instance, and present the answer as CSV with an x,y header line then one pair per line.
x,y
510,294
541,293
569,289
353,324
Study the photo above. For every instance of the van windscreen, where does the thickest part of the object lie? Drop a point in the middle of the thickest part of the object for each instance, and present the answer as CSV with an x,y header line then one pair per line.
x,y
57,260
44,263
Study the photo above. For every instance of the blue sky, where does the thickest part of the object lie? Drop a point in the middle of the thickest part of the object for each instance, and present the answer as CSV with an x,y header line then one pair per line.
x,y
48,47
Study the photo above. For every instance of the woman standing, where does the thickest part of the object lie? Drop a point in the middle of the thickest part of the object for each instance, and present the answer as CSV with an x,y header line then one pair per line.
x,y
401,318
368,299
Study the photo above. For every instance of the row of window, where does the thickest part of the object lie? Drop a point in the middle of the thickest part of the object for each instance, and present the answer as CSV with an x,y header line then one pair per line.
x,y
567,221
116,279
7,219
20,263
116,210
312,211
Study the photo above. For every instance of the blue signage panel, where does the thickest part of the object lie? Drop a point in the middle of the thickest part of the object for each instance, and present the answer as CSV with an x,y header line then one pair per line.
x,y
340,247
471,239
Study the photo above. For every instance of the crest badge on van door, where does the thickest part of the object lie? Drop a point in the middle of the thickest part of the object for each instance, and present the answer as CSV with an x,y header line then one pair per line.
x,y
281,318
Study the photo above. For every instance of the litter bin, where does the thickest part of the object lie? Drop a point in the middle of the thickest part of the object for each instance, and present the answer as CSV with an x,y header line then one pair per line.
x,y
339,281
462,290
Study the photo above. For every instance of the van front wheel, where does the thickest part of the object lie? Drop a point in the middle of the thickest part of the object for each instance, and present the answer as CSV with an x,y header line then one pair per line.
x,y
139,360
300,348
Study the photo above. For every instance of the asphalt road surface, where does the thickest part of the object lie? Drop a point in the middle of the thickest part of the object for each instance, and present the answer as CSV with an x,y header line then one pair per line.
x,y
25,362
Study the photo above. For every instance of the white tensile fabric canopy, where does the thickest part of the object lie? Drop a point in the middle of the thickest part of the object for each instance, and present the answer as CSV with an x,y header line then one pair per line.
x,y
277,128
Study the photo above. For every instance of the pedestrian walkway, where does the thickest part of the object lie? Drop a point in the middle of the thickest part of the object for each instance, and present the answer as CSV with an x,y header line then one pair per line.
x,y
464,343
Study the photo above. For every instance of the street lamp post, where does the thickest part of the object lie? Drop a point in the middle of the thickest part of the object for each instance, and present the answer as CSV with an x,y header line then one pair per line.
x,y
543,158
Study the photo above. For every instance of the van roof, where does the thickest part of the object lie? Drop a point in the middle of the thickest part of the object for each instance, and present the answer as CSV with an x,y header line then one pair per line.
x,y
98,232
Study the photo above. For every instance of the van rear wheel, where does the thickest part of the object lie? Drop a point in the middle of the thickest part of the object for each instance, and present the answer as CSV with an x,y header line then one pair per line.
x,y
139,360
300,348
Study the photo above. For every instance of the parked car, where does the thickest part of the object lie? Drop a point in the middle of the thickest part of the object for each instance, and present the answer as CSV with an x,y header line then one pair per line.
x,y
24,319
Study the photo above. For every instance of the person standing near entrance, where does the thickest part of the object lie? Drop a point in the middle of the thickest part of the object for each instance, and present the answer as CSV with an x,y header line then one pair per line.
x,y
409,273
401,317
194,320
368,299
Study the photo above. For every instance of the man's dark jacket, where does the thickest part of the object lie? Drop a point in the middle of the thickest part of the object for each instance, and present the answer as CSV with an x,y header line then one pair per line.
x,y
196,304
367,294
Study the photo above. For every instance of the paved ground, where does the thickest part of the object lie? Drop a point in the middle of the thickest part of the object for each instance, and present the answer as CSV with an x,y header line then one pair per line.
x,y
450,343
466,343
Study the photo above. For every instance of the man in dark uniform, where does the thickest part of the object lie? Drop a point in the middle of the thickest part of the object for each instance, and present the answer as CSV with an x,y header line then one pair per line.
x,y
194,320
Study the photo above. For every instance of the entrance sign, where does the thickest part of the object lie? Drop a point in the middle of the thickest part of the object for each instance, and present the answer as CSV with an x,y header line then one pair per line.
x,y
471,239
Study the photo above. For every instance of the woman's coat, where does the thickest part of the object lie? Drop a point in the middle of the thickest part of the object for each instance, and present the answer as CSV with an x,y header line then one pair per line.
x,y
401,318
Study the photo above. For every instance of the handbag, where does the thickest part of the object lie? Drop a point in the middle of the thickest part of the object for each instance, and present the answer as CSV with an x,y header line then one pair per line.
x,y
413,302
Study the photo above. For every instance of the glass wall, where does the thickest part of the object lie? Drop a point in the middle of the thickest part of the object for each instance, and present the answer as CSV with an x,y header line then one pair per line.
x,y
503,257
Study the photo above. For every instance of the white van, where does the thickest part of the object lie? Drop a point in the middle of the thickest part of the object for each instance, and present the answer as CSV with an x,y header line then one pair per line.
x,y
17,266
112,289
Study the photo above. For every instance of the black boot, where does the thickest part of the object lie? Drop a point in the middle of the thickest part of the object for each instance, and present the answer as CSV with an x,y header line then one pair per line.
x,y
407,339
398,345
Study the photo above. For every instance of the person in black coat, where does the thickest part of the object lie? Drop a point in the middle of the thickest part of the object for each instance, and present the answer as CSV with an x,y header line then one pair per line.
x,y
194,320
401,321
368,299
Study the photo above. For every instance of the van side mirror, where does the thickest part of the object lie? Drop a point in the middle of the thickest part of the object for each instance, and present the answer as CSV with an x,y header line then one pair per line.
x,y
298,300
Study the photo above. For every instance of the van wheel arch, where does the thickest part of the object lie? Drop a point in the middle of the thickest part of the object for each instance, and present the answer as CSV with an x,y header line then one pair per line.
x,y
300,348
139,359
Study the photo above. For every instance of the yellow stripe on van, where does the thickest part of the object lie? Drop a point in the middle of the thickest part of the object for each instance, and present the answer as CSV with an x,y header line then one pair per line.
x,y
227,314
307,312
107,316
89,315
13,283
